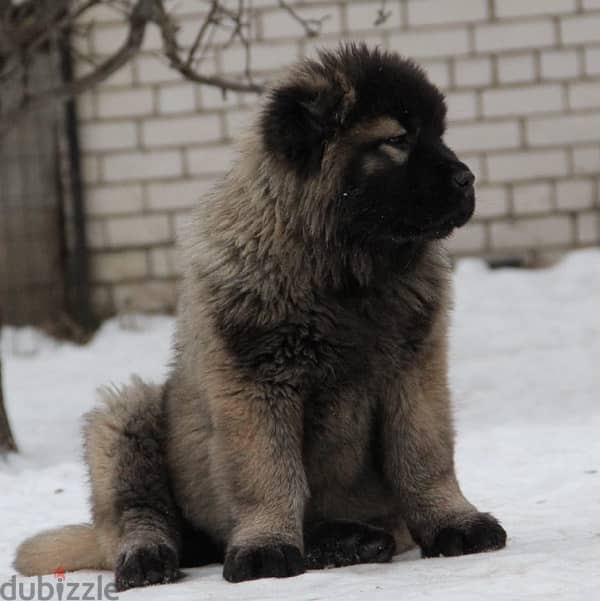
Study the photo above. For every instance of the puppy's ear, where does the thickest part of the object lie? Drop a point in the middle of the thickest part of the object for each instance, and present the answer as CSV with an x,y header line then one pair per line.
x,y
297,121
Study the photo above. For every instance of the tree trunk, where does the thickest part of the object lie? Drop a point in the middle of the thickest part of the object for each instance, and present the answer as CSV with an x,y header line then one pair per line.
x,y
7,441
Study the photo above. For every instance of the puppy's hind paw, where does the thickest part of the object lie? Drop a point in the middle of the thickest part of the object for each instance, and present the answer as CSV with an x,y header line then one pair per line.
x,y
146,564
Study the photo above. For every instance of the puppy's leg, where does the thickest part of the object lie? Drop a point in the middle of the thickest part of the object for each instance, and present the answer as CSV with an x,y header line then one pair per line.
x,y
340,543
419,464
257,456
134,514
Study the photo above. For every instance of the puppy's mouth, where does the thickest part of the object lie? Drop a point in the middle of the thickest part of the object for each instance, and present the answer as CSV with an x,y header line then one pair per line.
x,y
441,227
462,215
455,219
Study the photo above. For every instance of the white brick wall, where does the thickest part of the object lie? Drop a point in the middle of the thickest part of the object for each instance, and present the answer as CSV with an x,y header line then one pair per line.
x,y
522,79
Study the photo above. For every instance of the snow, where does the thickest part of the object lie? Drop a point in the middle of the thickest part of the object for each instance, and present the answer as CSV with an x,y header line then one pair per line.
x,y
525,359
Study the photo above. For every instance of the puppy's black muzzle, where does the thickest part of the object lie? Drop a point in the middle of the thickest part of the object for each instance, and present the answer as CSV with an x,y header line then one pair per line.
x,y
463,181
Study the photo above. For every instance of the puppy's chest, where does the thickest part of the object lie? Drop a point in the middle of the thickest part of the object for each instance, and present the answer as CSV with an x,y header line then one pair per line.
x,y
375,333
336,342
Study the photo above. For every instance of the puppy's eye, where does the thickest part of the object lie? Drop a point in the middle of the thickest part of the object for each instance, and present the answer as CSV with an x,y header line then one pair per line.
x,y
400,140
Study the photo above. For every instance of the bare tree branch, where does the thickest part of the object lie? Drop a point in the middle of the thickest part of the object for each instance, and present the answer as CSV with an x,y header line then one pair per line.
x,y
138,22
31,27
172,51
210,20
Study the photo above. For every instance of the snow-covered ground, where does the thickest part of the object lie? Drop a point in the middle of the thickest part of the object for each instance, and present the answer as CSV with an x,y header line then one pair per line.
x,y
526,382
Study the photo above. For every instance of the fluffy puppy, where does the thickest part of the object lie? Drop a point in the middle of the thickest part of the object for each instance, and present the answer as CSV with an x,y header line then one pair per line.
x,y
306,421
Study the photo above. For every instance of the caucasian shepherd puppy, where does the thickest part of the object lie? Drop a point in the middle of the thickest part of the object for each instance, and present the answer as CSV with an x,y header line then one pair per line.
x,y
306,422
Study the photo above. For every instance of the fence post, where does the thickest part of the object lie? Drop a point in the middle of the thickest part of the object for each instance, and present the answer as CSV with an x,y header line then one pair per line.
x,y
7,441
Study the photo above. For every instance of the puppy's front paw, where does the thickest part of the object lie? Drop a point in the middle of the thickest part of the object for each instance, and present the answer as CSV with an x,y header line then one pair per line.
x,y
471,534
146,564
267,561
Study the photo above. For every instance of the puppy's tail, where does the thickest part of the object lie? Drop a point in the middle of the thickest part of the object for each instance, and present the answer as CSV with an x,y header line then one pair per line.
x,y
68,548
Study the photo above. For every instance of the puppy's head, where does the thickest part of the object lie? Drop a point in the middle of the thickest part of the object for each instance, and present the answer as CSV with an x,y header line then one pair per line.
x,y
369,126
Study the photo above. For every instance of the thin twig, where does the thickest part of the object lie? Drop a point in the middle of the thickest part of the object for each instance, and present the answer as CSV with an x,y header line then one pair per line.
x,y
312,27
382,14
171,51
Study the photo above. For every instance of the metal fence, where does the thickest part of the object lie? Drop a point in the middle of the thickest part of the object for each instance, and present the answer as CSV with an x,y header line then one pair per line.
x,y
42,242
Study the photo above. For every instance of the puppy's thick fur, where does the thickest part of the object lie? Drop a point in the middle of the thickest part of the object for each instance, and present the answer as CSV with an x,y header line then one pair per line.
x,y
306,421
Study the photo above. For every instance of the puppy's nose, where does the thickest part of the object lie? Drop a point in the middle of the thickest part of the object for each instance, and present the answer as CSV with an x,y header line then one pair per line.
x,y
463,179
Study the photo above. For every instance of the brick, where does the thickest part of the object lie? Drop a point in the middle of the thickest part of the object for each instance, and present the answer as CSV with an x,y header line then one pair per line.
x,y
125,103
484,136
142,165
119,266
182,222
492,201
532,198
587,226
150,69
177,194
566,129
123,77
516,68
209,160
521,8
473,71
108,136
361,16
107,38
522,100
442,12
114,200
531,233
514,36
90,169
213,98
148,296
86,107
176,99
180,131
574,194
438,72
511,166
579,30
559,64
461,106
279,23
584,95
263,57
426,44
153,38
238,121
219,36
95,233
165,262
468,240
586,159
592,61
139,230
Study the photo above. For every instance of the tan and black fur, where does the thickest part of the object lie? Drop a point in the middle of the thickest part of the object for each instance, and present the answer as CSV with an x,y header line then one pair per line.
x,y
306,421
